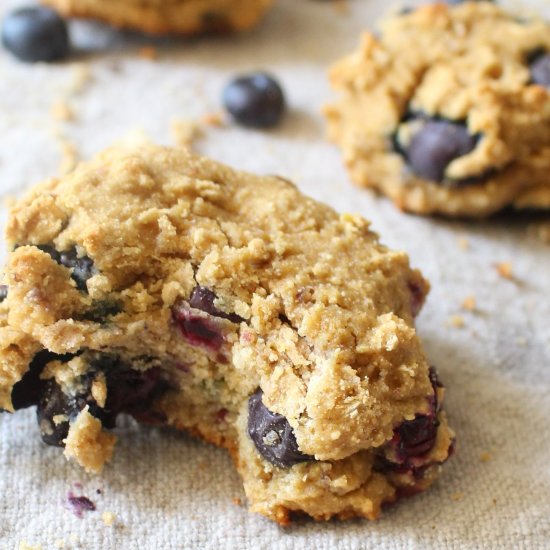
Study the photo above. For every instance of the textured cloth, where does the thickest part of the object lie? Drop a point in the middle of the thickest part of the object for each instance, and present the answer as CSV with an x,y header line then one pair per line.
x,y
167,490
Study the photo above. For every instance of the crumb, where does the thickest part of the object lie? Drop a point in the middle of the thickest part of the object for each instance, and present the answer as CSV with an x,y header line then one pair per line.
x,y
213,119
494,501
80,78
24,546
73,538
456,321
520,341
148,52
457,496
60,543
504,269
69,156
463,243
485,456
237,501
469,303
108,518
185,132
62,111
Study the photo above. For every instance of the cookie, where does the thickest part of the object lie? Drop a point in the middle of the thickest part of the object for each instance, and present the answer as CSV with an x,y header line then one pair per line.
x,y
156,283
169,17
447,111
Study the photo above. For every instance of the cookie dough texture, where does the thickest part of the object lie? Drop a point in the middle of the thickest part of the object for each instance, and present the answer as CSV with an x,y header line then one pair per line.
x,y
169,16
467,63
307,305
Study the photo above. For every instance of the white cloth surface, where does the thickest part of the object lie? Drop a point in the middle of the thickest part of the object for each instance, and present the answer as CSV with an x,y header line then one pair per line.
x,y
170,491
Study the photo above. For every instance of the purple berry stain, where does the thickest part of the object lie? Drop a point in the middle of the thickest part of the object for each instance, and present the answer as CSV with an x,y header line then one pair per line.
x,y
79,504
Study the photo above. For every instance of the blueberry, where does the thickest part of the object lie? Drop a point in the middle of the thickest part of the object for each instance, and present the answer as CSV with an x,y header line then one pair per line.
x,y
82,267
51,250
203,298
540,70
35,34
273,435
255,100
3,292
26,392
53,403
435,146
416,437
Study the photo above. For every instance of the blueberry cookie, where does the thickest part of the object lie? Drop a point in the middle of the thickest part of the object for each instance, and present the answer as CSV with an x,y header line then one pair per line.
x,y
169,16
447,111
159,284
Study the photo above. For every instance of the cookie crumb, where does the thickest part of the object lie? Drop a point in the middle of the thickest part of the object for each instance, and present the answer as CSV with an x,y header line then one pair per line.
x,y
485,456
69,155
23,545
457,321
60,543
62,111
108,518
237,501
463,243
504,269
457,496
213,119
185,132
80,78
148,52
469,303
540,230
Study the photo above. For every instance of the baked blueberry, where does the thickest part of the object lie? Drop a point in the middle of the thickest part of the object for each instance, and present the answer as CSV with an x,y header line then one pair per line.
x,y
35,34
540,70
203,298
82,267
255,100
273,435
433,147
3,292
51,250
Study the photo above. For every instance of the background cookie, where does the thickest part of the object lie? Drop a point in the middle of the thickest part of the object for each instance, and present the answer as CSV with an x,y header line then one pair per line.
x,y
448,111
169,16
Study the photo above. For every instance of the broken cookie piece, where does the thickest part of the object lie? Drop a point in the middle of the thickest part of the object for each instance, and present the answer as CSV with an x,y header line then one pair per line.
x,y
159,284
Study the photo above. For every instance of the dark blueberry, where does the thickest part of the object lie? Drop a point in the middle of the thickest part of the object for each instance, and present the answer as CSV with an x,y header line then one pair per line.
x,y
26,392
3,292
416,437
53,403
203,298
540,70
436,145
51,250
197,330
255,100
82,267
273,435
35,34
130,391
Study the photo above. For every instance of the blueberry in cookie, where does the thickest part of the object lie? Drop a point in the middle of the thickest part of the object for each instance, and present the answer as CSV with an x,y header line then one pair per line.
x,y
155,283
447,111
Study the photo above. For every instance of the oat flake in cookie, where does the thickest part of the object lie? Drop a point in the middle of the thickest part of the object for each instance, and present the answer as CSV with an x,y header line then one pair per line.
x,y
448,110
156,283
169,16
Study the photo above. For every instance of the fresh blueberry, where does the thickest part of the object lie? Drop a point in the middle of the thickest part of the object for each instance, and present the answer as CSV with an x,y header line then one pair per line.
x,y
255,100
435,146
3,292
540,70
82,267
203,298
273,435
35,34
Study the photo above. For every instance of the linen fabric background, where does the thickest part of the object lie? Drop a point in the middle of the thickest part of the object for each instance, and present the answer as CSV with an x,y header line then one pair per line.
x,y
167,490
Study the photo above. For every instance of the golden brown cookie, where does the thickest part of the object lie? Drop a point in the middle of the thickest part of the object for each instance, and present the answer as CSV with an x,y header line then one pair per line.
x,y
156,283
169,16
448,110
